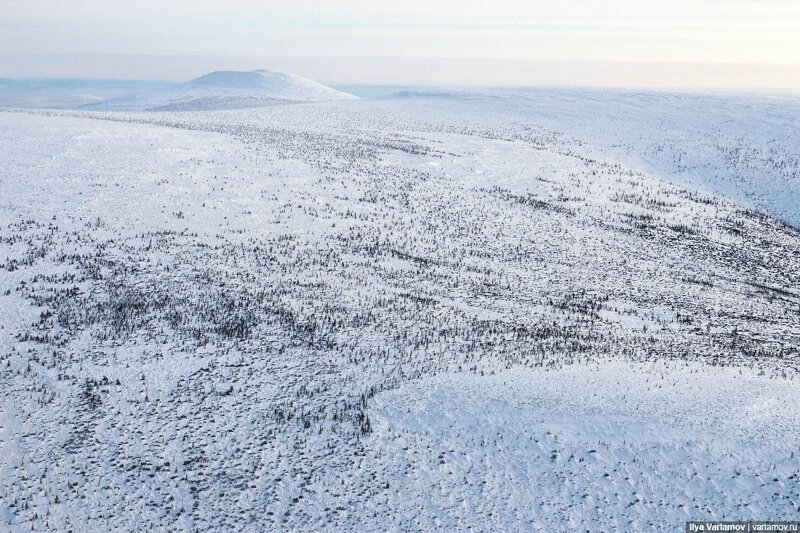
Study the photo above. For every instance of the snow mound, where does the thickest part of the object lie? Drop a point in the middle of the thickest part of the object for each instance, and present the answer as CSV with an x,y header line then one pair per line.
x,y
618,446
228,90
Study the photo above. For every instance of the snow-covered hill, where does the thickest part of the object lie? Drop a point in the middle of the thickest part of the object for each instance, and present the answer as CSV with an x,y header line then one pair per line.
x,y
227,90
402,314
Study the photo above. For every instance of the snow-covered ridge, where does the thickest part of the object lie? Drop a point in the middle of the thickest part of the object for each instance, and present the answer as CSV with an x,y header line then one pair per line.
x,y
228,90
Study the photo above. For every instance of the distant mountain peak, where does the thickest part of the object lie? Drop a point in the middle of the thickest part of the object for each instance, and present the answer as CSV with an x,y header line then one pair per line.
x,y
224,89
272,83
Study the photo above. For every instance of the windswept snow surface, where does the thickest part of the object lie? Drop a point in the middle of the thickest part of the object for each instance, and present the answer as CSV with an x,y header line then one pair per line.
x,y
401,314
612,446
227,90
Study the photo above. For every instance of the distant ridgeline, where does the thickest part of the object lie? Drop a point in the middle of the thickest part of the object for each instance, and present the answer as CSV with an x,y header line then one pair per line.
x,y
216,90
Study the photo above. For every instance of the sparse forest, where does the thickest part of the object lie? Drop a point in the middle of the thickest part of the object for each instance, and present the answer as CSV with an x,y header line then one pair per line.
x,y
255,319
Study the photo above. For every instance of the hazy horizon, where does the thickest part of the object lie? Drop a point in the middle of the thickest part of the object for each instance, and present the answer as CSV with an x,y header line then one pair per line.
x,y
734,44
415,72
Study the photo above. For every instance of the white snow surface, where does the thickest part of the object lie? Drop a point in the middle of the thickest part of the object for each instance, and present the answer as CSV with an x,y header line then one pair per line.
x,y
417,313
612,446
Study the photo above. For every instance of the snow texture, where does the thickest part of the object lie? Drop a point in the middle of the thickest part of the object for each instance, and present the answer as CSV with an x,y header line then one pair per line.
x,y
491,311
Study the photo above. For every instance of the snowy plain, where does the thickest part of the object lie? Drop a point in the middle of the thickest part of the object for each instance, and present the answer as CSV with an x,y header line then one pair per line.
x,y
510,311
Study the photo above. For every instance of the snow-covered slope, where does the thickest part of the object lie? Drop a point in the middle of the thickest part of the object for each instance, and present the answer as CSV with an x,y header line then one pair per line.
x,y
607,447
228,90
405,314
743,147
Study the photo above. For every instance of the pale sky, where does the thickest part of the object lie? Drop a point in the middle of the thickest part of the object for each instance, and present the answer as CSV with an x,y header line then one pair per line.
x,y
747,43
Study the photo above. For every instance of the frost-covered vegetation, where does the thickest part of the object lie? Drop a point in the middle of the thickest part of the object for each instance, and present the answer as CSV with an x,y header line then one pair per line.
x,y
305,317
